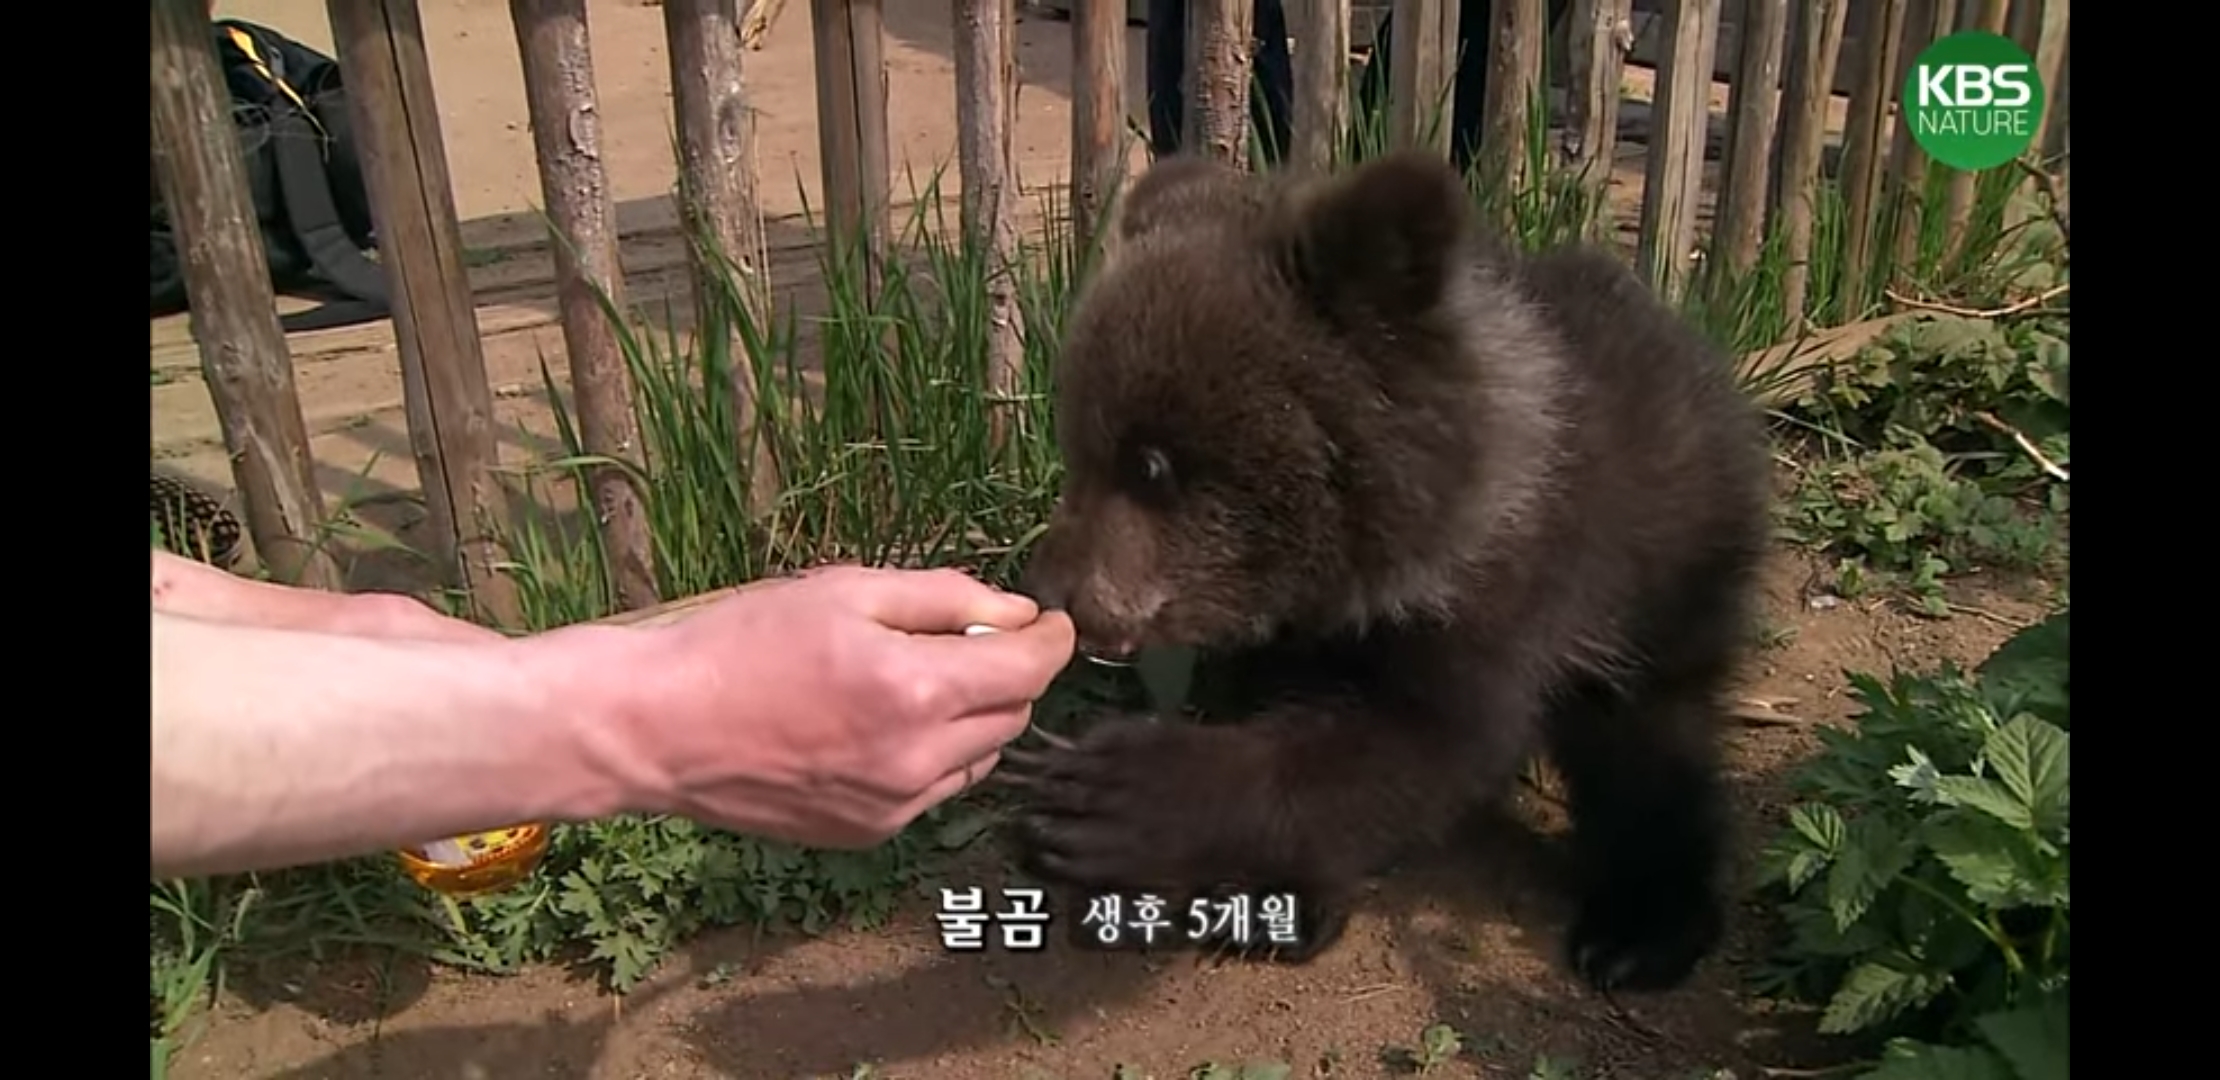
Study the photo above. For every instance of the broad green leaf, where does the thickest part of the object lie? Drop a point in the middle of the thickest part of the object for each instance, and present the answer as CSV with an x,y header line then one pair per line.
x,y
1871,855
1999,866
1919,1061
2031,759
2033,1038
1917,776
1874,993
1820,824
1986,795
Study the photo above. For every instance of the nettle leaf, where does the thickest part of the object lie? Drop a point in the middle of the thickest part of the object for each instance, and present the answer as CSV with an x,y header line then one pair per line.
x,y
1986,795
1907,1060
2031,760
1917,776
1876,992
2032,1038
1872,854
2000,867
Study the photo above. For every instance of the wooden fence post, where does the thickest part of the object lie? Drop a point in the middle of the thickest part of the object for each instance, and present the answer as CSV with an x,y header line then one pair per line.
x,y
986,97
1673,183
851,129
1321,83
1516,34
1927,23
1418,76
1098,137
1958,197
1865,140
380,45
717,201
1811,80
1753,113
1219,36
566,132
203,177
1597,65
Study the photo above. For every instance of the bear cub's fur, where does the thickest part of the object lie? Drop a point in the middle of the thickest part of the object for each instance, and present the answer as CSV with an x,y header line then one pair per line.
x,y
1424,505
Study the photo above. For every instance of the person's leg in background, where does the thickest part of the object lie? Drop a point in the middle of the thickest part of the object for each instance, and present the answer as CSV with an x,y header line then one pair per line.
x,y
1167,56
1469,92
1272,93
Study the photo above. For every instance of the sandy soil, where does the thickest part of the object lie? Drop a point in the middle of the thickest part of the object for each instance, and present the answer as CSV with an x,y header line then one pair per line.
x,y
1469,937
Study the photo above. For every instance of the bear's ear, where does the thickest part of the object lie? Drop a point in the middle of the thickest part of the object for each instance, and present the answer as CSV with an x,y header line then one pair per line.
x,y
1175,191
1379,242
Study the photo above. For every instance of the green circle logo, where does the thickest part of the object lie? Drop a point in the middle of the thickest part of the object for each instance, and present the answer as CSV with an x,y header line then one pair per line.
x,y
1973,100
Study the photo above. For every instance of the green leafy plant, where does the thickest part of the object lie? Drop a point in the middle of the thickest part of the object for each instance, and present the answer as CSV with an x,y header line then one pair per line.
x,y
1924,878
1933,452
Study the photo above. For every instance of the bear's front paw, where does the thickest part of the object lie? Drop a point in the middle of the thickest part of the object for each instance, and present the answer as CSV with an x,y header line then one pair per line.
x,y
1638,940
1131,804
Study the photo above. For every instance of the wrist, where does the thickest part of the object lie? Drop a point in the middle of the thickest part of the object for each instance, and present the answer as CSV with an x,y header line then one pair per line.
x,y
600,689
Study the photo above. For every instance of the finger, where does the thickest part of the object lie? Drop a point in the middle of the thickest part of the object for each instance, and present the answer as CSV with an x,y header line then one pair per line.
x,y
946,748
932,601
994,671
958,781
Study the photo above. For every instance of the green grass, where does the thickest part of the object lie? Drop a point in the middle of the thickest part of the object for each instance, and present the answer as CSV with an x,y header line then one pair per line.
x,y
875,416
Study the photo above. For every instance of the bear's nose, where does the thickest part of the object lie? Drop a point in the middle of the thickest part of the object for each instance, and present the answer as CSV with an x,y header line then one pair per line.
x,y
1047,591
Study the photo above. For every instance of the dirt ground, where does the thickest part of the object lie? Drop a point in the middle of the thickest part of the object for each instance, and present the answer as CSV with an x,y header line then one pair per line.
x,y
1468,938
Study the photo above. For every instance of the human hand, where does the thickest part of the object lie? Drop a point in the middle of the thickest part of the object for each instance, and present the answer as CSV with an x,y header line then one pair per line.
x,y
828,709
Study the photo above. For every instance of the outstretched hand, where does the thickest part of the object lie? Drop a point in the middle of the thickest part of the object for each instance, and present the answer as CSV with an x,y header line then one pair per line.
x,y
834,707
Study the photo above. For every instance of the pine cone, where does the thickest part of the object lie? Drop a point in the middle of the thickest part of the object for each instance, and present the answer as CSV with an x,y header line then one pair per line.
x,y
191,523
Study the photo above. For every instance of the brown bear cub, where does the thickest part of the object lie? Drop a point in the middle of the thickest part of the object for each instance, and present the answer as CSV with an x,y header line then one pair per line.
x,y
1423,505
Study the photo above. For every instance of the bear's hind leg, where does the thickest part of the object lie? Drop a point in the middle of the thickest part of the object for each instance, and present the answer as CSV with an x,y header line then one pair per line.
x,y
1641,767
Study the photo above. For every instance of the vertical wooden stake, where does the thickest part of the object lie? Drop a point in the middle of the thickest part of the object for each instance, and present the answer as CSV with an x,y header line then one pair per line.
x,y
2040,28
1597,53
1219,36
1865,138
851,129
717,200
986,93
1811,80
1515,35
1753,111
1321,83
1928,22
566,133
1098,136
1418,92
1673,186
1989,15
203,178
380,45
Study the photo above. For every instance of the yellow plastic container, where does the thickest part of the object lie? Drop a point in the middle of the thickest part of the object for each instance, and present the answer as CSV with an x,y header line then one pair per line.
x,y
479,863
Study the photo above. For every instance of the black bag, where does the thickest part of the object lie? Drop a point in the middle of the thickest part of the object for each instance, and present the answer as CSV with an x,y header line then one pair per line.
x,y
304,179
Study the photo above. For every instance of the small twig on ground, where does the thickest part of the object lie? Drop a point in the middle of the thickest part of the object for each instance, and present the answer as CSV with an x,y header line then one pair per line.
x,y
1763,713
1831,1070
2027,446
2004,621
1370,992
2023,304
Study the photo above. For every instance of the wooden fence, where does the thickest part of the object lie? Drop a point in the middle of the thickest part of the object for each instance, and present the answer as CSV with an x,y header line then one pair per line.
x,y
1772,166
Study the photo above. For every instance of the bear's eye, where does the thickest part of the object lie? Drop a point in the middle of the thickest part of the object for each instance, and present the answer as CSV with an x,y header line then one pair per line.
x,y
1149,471
1155,467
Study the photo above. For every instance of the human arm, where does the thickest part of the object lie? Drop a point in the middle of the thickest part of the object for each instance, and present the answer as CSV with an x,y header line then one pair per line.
x,y
275,747
829,709
184,587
